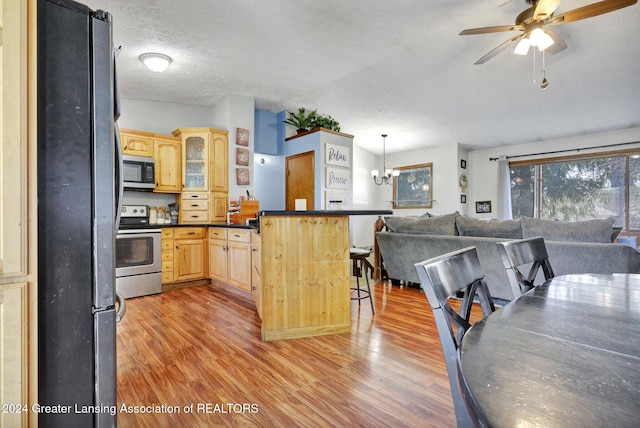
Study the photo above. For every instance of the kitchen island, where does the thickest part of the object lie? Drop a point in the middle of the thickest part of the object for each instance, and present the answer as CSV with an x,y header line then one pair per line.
x,y
305,272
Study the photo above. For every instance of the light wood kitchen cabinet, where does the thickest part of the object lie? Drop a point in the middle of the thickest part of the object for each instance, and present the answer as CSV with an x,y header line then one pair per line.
x,y
18,213
194,207
136,143
219,161
189,253
218,207
168,157
256,270
205,168
230,256
167,255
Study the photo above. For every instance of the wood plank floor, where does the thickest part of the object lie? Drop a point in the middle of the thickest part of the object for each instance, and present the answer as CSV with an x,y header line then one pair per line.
x,y
201,346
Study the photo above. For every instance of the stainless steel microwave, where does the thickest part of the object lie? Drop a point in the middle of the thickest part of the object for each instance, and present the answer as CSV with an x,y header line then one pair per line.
x,y
138,172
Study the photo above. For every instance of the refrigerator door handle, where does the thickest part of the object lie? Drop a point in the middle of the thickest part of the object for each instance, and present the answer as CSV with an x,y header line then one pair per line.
x,y
122,307
119,177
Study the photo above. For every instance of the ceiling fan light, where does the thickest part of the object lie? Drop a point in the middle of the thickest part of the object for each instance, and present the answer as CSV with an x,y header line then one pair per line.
x,y
522,47
544,42
156,62
536,36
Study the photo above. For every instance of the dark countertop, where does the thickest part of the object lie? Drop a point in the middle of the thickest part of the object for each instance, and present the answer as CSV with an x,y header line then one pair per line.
x,y
160,226
326,213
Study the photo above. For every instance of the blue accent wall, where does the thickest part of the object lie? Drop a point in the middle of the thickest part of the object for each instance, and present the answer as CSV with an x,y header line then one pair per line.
x,y
266,132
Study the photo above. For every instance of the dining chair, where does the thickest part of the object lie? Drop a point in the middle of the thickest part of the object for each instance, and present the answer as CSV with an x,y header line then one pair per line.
x,y
524,252
445,277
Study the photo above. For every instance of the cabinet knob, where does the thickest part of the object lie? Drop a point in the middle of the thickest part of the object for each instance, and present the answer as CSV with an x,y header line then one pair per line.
x,y
191,233
177,248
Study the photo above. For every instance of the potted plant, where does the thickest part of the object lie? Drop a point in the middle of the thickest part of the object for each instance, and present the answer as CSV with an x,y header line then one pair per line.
x,y
325,121
302,121
306,121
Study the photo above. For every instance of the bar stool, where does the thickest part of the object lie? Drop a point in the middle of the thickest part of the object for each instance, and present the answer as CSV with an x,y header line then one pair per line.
x,y
360,264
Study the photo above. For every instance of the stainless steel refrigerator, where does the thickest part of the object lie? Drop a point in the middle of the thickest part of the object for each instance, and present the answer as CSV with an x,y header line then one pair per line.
x,y
77,193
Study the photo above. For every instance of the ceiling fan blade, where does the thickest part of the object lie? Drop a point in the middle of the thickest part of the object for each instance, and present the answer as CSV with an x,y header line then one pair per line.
x,y
485,30
558,42
590,10
497,50
544,9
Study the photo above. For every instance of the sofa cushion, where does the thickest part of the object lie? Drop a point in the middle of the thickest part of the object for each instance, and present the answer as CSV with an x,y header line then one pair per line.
x,y
508,229
440,225
597,230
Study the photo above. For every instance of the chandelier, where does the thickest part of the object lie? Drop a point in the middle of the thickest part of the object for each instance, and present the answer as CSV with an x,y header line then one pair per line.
x,y
388,173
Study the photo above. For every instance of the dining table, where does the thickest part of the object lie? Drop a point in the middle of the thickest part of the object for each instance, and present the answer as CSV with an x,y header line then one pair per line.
x,y
567,353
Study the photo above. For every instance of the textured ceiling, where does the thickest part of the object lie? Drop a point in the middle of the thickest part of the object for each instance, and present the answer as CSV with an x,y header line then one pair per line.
x,y
386,67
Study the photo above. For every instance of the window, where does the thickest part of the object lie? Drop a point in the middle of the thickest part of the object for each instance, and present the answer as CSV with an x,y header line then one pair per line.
x,y
579,188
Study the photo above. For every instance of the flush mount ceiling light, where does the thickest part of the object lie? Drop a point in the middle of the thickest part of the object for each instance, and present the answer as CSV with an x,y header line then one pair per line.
x,y
156,62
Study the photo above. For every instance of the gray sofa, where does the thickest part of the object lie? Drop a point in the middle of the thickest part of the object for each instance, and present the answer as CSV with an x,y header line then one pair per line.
x,y
573,247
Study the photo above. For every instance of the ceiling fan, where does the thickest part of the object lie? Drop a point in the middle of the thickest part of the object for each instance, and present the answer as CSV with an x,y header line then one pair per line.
x,y
533,22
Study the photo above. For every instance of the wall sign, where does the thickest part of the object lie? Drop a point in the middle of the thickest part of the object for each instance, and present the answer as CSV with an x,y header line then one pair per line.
x,y
338,178
337,155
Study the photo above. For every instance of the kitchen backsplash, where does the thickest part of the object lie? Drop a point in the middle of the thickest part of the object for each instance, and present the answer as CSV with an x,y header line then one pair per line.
x,y
148,198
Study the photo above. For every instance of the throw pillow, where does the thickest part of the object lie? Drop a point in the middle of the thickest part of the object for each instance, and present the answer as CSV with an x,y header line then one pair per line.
x,y
508,229
441,225
597,230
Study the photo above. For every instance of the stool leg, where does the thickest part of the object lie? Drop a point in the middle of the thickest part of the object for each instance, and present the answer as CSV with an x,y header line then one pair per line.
x,y
373,312
358,289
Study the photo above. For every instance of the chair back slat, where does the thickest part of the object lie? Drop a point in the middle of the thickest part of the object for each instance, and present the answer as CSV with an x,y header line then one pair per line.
x,y
518,253
445,277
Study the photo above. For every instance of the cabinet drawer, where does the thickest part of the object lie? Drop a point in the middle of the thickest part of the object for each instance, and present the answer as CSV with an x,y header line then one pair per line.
x,y
217,233
188,196
167,233
195,217
195,205
167,254
167,277
167,266
188,233
167,244
239,235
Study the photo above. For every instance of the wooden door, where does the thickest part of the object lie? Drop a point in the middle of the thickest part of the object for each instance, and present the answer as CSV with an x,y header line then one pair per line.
x,y
239,265
256,270
189,259
218,259
168,165
219,158
300,179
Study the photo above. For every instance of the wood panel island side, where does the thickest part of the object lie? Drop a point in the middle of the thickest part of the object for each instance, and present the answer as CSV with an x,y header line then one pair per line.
x,y
305,272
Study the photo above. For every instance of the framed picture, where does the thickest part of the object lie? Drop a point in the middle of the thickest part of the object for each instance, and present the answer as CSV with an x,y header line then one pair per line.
x,y
483,207
242,137
413,188
463,164
242,176
242,156
463,199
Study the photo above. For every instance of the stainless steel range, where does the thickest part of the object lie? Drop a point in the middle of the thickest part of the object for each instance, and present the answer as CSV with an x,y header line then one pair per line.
x,y
138,254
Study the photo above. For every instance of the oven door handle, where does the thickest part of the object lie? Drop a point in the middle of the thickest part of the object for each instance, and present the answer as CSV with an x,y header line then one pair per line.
x,y
139,232
122,307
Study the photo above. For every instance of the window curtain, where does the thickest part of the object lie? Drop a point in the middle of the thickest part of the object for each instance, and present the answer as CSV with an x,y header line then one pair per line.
x,y
504,189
